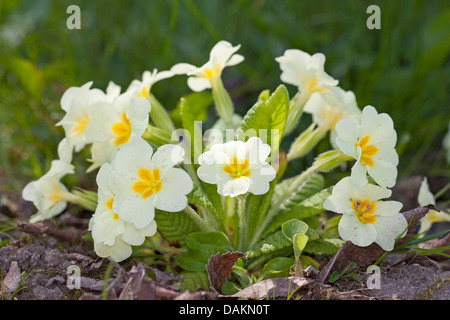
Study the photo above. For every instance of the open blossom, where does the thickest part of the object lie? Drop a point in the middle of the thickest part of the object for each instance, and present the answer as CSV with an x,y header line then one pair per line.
x,y
366,219
331,106
78,103
222,55
305,71
128,117
142,181
237,167
141,88
113,236
425,198
48,194
371,141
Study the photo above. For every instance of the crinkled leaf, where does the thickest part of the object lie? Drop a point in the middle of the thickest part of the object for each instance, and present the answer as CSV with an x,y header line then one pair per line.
x,y
174,226
270,115
272,243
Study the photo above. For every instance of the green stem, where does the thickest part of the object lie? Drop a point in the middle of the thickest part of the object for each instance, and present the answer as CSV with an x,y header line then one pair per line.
x,y
160,116
274,208
222,100
243,224
295,110
199,221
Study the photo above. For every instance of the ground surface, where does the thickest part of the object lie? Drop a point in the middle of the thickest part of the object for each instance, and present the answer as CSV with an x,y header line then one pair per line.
x,y
35,266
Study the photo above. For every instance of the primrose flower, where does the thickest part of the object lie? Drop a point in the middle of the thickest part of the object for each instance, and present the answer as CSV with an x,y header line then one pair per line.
x,y
141,88
366,219
47,193
237,167
128,117
78,103
425,198
333,105
222,55
304,71
142,181
371,141
113,236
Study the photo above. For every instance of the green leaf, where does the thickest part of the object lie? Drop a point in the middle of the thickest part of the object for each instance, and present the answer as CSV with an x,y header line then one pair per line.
x,y
278,267
27,74
272,243
193,281
199,103
174,226
312,185
299,242
188,119
299,213
202,245
208,241
292,227
229,288
257,207
320,246
193,260
270,115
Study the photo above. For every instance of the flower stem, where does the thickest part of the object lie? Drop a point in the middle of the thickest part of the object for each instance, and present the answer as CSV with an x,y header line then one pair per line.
x,y
199,221
243,224
160,116
275,207
222,100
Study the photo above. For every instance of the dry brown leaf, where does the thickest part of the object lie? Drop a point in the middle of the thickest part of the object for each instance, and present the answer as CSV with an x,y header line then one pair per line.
x,y
219,267
12,280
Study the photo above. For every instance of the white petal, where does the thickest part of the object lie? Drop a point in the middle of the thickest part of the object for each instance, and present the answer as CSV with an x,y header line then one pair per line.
x,y
360,234
198,84
183,68
358,174
233,187
132,157
259,183
166,157
222,52
383,172
234,60
135,209
425,196
372,192
136,237
102,178
387,208
175,186
118,252
347,136
388,229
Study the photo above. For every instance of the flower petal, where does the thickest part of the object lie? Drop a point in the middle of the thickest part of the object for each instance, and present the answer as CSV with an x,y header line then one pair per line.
x,y
360,234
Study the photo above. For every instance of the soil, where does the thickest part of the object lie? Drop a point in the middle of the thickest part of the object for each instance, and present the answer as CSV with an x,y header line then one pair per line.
x,y
37,266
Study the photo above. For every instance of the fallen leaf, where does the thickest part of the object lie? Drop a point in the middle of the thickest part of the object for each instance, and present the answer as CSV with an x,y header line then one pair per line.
x,y
12,279
219,267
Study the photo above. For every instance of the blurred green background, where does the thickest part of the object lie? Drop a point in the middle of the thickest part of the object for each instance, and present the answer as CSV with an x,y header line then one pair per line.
x,y
402,69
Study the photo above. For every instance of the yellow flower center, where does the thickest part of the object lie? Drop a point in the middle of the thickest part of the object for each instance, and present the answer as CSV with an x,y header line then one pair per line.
x,y
149,184
145,92
367,151
311,84
109,204
80,124
364,211
122,130
237,170
210,73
